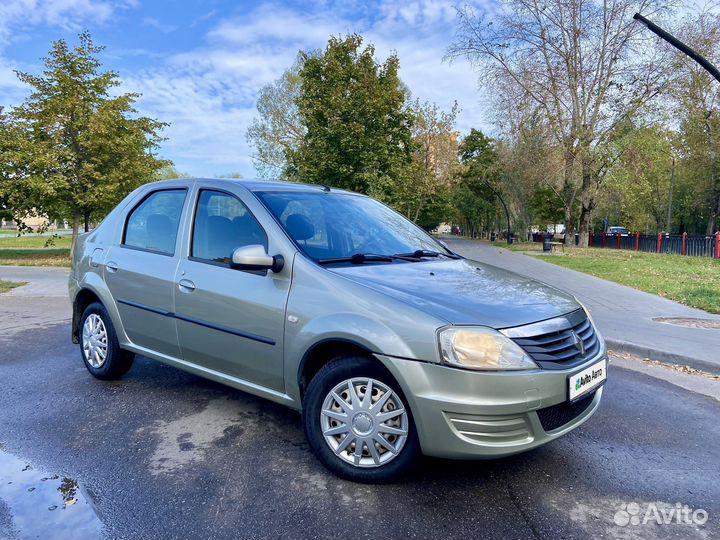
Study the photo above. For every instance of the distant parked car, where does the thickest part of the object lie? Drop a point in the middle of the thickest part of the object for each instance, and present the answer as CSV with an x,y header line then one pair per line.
x,y
614,231
335,305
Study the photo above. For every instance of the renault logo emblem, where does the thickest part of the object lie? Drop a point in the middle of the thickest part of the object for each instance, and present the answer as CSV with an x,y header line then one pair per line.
x,y
579,343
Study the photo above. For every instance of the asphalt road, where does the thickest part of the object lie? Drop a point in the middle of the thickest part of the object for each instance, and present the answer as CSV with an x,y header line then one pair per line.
x,y
165,454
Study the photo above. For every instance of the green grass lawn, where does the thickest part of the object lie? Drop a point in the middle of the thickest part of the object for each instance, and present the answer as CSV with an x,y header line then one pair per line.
x,y
34,241
5,286
31,251
694,281
35,257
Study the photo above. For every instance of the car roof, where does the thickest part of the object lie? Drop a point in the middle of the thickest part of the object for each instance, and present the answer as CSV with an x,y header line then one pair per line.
x,y
259,185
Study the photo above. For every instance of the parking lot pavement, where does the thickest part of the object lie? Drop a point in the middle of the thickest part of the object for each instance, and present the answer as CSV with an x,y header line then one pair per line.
x,y
624,315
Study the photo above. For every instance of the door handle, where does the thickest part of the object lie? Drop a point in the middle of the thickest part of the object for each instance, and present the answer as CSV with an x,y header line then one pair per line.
x,y
112,266
185,285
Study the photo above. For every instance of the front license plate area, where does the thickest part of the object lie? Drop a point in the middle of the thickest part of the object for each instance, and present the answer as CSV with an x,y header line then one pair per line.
x,y
587,380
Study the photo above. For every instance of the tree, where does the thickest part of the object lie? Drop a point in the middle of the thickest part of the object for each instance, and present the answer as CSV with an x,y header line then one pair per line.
x,y
278,131
582,64
697,104
358,131
641,177
475,196
423,197
170,172
79,150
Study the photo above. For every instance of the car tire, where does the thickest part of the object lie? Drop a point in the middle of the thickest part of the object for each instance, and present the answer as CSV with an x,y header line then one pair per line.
x,y
99,346
382,421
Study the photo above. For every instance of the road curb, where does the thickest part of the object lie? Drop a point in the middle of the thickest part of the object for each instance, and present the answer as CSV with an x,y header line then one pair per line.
x,y
662,356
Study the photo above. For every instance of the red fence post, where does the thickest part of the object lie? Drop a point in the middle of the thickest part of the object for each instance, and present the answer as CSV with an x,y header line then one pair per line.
x,y
684,246
717,245
604,241
617,240
637,241
659,242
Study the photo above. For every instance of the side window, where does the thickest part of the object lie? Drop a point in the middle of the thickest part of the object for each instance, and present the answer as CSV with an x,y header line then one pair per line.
x,y
223,224
153,224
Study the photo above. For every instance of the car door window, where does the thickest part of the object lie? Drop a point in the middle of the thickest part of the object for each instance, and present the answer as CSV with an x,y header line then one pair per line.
x,y
222,224
153,224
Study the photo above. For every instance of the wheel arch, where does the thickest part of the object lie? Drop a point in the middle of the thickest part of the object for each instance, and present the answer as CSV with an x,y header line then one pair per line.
x,y
82,300
324,351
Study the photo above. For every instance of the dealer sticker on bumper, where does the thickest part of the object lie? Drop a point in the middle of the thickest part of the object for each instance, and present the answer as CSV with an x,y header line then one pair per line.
x,y
587,380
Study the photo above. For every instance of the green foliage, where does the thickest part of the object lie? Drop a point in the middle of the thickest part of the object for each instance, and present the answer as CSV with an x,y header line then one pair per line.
x,y
547,206
358,131
77,148
278,130
474,199
170,172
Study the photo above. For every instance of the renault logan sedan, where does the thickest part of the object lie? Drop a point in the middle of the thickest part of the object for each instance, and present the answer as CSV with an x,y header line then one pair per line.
x,y
333,304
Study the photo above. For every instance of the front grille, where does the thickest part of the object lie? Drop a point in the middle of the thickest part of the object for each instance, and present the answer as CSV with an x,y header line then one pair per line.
x,y
562,346
558,415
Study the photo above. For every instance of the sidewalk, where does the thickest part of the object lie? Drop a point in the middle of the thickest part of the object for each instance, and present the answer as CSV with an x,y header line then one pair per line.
x,y
42,302
623,315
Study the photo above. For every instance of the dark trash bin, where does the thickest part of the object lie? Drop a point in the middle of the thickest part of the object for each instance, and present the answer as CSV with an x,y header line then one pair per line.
x,y
547,238
493,236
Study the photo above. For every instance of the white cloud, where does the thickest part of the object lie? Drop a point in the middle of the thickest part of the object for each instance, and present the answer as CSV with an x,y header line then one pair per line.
x,y
208,93
65,14
152,22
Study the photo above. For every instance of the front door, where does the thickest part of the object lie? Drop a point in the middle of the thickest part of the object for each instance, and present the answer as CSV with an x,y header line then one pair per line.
x,y
229,320
140,271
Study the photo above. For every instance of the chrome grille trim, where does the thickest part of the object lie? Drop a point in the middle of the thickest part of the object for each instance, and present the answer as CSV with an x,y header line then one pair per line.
x,y
554,343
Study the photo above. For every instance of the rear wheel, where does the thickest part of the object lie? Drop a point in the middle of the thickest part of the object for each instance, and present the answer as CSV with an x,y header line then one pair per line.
x,y
357,421
99,345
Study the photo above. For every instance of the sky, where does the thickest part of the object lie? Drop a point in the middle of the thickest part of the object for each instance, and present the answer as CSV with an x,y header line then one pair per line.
x,y
200,64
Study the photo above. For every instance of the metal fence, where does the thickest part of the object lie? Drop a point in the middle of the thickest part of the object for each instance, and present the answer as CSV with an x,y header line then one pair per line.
x,y
677,244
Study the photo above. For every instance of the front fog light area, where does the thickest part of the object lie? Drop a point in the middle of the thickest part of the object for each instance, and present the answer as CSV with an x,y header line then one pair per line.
x,y
481,348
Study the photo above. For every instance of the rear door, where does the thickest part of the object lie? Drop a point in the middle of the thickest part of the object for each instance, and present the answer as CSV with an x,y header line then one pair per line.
x,y
229,320
140,270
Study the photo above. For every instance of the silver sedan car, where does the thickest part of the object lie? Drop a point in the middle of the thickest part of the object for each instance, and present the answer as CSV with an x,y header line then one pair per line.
x,y
333,304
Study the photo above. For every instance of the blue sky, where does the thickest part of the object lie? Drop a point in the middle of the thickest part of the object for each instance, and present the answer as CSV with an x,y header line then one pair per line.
x,y
200,64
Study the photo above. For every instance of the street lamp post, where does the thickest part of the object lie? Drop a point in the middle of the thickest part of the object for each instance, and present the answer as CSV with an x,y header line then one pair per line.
x,y
507,212
675,42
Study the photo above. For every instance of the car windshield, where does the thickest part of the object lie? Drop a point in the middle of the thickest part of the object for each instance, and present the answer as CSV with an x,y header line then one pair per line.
x,y
336,226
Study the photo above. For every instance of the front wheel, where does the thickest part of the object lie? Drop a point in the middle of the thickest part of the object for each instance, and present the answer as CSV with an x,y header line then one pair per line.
x,y
99,345
358,423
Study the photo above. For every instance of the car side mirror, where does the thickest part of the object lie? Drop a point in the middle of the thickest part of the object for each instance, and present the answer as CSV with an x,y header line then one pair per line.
x,y
255,257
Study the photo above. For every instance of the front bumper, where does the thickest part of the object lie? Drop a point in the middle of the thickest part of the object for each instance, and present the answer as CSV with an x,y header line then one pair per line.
x,y
465,414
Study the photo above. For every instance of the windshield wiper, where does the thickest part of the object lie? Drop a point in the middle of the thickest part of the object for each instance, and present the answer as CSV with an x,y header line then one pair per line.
x,y
419,253
361,258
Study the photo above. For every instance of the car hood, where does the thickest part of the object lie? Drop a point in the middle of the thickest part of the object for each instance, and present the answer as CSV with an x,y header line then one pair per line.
x,y
464,291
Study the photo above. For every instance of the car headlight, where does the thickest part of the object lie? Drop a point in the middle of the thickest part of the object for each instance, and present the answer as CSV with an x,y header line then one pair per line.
x,y
481,348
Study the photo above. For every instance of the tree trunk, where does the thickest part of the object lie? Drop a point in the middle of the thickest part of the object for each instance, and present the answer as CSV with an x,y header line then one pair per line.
x,y
668,221
87,220
588,198
77,216
569,193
